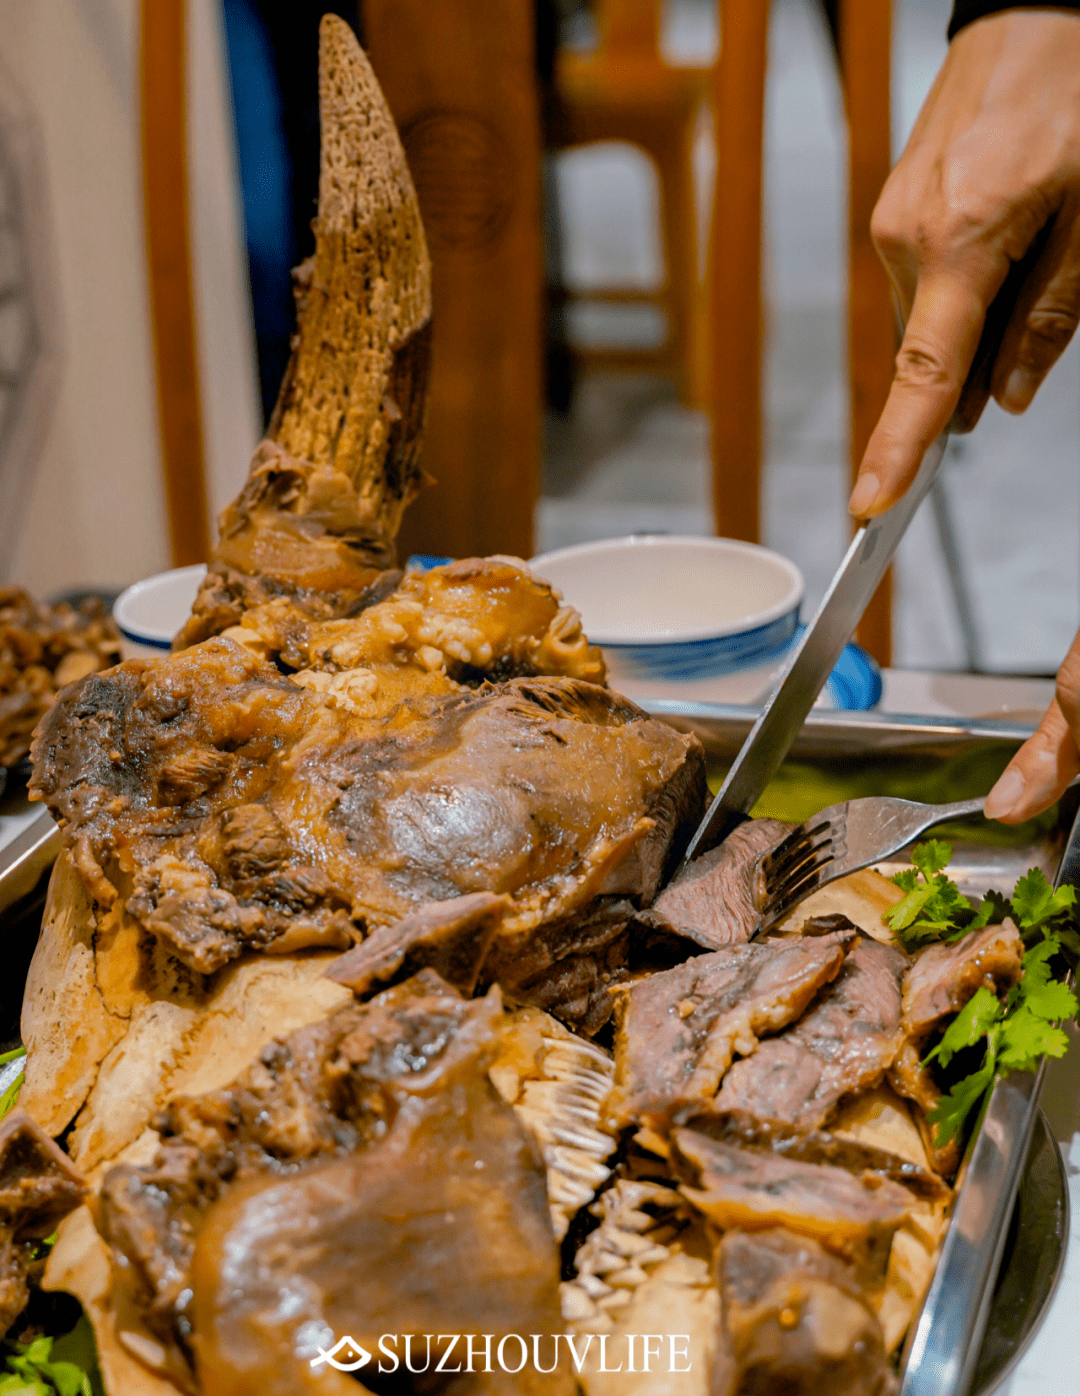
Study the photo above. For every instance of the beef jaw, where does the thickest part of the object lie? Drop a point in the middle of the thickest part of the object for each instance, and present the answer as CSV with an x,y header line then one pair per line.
x,y
38,1188
939,983
853,1216
843,1045
679,1030
715,900
795,1321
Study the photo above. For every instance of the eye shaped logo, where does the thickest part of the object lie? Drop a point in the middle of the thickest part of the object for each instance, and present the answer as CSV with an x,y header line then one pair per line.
x,y
350,1347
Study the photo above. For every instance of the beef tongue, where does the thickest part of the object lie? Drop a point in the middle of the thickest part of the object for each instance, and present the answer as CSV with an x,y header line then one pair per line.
x,y
679,1030
843,1045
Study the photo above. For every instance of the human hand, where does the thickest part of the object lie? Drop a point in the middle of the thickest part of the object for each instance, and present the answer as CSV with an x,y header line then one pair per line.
x,y
1046,763
993,160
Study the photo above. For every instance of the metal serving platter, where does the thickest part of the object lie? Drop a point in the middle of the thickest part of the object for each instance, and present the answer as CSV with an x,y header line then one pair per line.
x,y
833,741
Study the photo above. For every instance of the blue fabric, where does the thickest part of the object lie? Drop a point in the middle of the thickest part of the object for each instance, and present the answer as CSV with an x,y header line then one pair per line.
x,y
266,184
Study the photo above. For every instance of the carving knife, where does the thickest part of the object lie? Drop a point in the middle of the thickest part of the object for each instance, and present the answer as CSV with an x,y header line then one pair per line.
x,y
849,593
813,661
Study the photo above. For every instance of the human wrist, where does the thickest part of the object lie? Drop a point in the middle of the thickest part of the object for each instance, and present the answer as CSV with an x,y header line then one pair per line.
x,y
965,12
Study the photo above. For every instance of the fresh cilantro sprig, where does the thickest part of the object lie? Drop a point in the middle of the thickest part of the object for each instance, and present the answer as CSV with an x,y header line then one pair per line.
x,y
9,1098
933,907
1019,1031
32,1371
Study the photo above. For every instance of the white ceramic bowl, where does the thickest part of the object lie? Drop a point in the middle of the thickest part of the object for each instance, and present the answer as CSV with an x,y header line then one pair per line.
x,y
149,614
678,608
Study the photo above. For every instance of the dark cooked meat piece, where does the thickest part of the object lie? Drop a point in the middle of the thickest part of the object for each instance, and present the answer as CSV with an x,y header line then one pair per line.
x,y
254,812
853,1216
43,648
440,1229
323,1091
38,1188
813,1146
795,1322
844,1044
908,1077
451,937
714,900
679,1030
937,985
944,977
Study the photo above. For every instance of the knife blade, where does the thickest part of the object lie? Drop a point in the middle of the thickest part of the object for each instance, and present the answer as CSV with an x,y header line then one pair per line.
x,y
863,567
812,661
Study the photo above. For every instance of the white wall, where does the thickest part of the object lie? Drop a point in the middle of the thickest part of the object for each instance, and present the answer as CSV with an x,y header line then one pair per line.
x,y
92,506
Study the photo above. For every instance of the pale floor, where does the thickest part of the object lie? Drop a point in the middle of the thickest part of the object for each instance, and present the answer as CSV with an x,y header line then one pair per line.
x,y
631,458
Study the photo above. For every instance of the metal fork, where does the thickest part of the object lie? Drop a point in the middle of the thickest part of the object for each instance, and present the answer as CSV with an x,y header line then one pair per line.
x,y
842,839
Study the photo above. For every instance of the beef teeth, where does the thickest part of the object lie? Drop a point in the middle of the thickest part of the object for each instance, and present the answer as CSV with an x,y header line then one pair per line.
x,y
558,1097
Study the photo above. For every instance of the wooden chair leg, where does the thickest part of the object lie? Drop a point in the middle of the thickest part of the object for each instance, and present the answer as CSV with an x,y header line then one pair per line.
x,y
679,218
735,271
865,34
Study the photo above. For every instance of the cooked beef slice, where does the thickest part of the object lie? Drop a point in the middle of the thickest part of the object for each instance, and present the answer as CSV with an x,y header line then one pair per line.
x,y
714,899
38,1188
843,1044
679,1030
322,1092
235,809
908,1077
814,1146
937,985
795,1322
442,1228
943,977
853,1216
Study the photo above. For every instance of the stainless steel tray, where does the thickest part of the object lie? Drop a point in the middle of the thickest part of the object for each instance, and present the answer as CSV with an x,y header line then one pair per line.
x,y
1035,1249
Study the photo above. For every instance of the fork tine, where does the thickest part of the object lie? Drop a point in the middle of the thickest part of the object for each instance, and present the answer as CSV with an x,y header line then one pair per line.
x,y
776,875
792,840
775,912
779,892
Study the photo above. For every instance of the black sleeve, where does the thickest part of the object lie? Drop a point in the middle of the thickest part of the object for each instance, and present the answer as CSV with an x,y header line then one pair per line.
x,y
964,11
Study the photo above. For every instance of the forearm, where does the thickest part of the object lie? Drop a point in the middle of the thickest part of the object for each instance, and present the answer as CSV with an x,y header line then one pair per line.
x,y
966,11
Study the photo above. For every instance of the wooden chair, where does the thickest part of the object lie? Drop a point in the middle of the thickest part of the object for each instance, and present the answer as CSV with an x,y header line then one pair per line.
x,y
735,396
460,79
625,91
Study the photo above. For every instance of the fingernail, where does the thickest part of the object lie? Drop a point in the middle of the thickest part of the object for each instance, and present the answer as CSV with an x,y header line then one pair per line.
x,y
1019,390
1005,794
867,488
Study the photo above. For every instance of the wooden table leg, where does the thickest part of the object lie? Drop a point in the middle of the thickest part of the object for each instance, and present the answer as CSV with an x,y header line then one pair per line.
x,y
865,46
